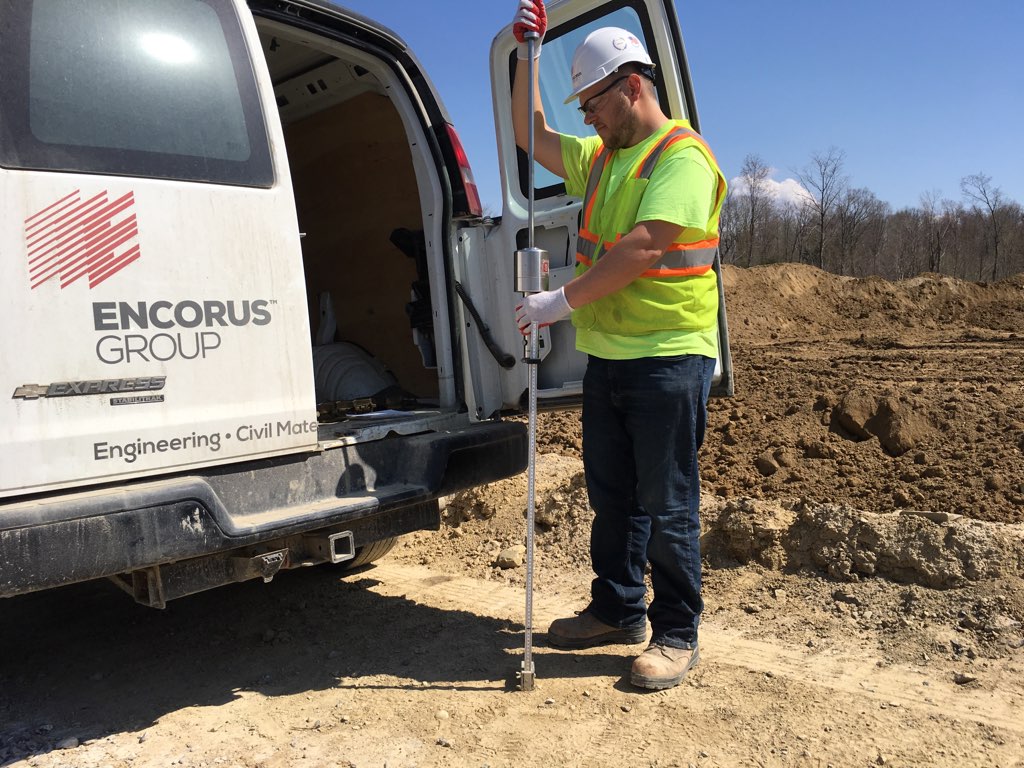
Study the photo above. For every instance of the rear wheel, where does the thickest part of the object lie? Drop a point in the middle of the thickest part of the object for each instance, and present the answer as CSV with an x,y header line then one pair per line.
x,y
370,553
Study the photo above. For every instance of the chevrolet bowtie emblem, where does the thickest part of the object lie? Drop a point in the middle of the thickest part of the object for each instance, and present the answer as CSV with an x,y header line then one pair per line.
x,y
31,391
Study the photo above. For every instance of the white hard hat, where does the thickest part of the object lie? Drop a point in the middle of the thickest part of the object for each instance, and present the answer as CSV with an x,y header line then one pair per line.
x,y
601,53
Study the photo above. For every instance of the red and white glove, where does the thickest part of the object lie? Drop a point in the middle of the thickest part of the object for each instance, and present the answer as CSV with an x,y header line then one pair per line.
x,y
542,308
530,16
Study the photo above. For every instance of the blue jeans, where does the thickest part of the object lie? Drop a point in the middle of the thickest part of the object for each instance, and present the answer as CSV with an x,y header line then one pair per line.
x,y
643,424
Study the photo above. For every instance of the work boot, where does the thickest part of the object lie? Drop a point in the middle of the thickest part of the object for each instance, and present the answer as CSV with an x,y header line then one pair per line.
x,y
662,666
585,630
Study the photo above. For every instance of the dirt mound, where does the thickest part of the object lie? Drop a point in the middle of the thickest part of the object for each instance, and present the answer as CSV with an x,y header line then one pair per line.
x,y
881,395
929,549
799,301
490,520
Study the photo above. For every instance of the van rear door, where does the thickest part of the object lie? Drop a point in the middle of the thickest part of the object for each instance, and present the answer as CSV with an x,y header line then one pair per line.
x,y
154,296
560,373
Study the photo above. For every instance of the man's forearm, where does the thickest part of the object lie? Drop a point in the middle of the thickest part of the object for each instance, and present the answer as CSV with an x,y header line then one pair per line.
x,y
520,105
624,262
613,272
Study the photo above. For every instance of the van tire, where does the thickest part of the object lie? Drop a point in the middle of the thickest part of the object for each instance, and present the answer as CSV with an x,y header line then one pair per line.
x,y
370,553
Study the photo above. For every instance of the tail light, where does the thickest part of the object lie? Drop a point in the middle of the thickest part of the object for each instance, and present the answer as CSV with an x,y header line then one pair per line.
x,y
473,206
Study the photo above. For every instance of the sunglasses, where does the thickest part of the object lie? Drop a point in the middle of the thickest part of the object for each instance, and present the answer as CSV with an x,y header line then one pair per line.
x,y
589,108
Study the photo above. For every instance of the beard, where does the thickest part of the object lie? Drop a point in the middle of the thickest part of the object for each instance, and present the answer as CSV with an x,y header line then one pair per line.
x,y
625,131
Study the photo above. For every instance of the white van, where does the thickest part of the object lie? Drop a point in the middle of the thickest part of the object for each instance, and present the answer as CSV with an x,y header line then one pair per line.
x,y
255,318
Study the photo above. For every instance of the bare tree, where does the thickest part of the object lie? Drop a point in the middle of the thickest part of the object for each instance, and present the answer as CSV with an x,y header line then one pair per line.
x,y
825,184
938,226
902,238
953,216
854,211
728,227
1014,240
793,222
754,175
872,241
978,189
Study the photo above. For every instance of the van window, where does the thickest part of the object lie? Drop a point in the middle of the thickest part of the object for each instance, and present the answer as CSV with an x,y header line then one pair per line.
x,y
155,88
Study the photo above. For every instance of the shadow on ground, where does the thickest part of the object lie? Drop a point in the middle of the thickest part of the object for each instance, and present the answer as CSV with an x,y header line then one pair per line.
x,y
85,662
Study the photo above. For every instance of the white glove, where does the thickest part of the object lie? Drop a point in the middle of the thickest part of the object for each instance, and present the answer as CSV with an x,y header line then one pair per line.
x,y
542,308
530,15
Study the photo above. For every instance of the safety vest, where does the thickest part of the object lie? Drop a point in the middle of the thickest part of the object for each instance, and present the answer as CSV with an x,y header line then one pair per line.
x,y
680,291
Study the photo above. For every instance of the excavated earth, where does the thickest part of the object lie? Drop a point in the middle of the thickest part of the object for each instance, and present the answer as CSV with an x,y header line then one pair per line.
x,y
863,536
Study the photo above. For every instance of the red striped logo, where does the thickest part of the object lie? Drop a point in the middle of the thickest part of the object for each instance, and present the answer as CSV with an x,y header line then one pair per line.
x,y
74,238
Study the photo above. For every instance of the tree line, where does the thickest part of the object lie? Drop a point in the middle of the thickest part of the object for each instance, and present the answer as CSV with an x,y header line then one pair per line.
x,y
847,230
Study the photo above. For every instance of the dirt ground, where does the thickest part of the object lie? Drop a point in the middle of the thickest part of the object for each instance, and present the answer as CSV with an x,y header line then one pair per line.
x,y
864,547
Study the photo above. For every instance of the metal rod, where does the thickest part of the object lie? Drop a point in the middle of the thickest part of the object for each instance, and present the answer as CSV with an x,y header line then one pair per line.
x,y
527,674
531,513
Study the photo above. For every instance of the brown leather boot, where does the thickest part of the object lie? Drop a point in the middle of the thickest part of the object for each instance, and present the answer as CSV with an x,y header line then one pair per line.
x,y
584,630
661,666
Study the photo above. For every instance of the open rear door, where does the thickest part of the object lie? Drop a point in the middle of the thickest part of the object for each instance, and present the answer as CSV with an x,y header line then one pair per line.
x,y
560,374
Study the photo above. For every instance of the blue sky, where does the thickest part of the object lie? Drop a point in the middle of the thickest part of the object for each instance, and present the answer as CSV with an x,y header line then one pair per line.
x,y
916,93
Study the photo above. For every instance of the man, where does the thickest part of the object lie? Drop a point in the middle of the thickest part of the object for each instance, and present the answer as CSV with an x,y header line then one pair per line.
x,y
644,301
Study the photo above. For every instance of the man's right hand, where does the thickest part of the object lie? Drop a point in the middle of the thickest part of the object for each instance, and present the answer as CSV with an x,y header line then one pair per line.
x,y
530,17
542,308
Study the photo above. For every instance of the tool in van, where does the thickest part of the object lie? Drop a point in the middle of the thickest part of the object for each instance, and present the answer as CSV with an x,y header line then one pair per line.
x,y
531,276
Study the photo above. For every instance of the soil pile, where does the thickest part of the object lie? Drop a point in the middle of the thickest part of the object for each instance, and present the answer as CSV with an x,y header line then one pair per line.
x,y
797,301
883,396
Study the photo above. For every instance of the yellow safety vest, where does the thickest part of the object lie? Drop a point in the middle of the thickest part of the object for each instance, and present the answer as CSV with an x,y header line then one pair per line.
x,y
680,291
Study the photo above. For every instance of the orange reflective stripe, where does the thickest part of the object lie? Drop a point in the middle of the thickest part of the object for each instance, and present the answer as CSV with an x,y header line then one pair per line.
x,y
588,245
677,271
709,243
643,169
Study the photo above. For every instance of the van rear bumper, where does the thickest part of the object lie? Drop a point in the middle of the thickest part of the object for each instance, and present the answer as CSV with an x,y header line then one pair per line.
x,y
376,490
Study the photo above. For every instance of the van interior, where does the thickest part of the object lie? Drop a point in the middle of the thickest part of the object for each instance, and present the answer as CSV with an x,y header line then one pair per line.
x,y
361,212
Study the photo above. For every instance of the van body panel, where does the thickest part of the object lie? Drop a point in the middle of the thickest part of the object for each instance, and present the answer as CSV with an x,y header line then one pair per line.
x,y
164,321
191,355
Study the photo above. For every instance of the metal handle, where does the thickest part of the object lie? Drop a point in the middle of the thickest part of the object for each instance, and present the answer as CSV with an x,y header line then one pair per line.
x,y
531,43
531,265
